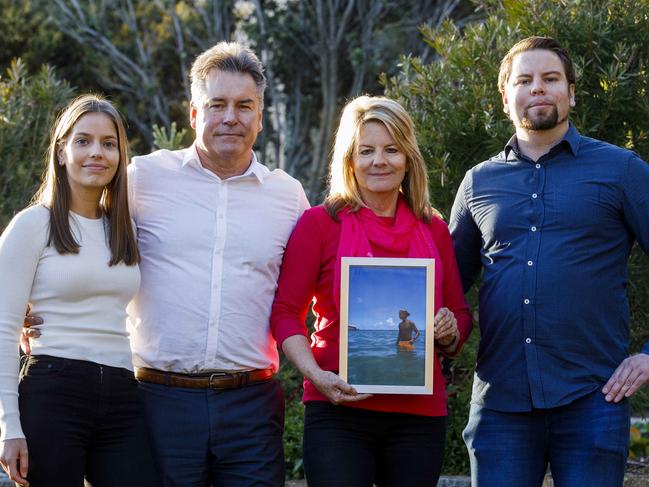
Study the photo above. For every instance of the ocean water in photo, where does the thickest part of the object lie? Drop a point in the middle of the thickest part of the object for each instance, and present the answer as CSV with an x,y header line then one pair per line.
x,y
375,359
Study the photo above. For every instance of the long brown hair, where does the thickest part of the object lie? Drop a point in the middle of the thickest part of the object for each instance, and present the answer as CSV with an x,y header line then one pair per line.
x,y
54,192
343,187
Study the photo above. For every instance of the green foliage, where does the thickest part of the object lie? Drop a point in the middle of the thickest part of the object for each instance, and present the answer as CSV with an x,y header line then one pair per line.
x,y
293,426
459,397
291,381
171,139
27,34
135,52
28,105
639,440
458,111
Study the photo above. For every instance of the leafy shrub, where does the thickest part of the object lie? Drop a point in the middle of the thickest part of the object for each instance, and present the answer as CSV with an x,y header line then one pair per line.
x,y
639,440
28,106
291,381
171,139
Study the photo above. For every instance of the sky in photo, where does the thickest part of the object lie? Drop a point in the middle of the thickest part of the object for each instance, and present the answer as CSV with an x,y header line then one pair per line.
x,y
378,293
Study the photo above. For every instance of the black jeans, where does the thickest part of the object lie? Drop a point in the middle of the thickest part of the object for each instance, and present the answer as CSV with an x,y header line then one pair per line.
x,y
82,419
352,447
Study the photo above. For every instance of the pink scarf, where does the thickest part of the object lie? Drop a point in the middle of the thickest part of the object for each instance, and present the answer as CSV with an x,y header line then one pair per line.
x,y
363,231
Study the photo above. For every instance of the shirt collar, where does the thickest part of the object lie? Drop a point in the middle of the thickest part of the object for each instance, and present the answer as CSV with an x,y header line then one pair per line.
x,y
255,168
571,139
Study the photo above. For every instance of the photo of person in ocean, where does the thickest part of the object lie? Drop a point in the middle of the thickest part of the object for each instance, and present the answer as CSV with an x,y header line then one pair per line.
x,y
405,338
387,337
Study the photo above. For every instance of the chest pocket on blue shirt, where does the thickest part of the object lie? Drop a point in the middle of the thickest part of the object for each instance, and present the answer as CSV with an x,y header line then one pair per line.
x,y
575,205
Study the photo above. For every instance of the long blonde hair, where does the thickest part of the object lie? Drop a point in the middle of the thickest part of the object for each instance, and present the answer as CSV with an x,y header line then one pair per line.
x,y
343,187
54,192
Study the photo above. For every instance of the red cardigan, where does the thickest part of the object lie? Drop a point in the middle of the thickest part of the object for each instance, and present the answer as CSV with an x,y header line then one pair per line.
x,y
307,276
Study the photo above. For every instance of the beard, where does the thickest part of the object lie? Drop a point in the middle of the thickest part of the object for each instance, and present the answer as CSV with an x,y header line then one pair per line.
x,y
542,121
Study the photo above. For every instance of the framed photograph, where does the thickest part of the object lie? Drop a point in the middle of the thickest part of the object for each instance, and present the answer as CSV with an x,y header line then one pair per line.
x,y
386,324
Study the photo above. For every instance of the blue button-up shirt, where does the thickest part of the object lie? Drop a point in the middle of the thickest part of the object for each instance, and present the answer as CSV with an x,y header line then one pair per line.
x,y
553,238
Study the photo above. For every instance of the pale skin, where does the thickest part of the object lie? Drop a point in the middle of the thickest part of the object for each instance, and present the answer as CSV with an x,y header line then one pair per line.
x,y
379,167
446,331
537,85
227,120
90,153
412,329
14,458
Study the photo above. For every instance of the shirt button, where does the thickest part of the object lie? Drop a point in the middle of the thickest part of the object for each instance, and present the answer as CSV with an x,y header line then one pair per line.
x,y
529,262
538,166
534,229
534,195
526,301
528,340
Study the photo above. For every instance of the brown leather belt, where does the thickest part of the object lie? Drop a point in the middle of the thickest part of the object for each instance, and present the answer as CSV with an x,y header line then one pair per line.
x,y
216,380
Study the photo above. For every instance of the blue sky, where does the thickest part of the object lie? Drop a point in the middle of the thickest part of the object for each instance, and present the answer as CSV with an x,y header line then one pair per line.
x,y
378,293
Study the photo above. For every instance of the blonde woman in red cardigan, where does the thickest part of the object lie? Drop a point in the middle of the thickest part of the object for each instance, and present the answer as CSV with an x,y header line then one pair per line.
x,y
377,206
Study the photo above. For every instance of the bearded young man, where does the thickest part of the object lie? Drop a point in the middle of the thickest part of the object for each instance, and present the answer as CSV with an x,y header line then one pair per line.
x,y
551,221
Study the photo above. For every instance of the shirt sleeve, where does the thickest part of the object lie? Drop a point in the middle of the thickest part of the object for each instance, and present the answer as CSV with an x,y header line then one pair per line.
x,y
303,202
466,235
635,205
21,246
131,173
298,280
452,287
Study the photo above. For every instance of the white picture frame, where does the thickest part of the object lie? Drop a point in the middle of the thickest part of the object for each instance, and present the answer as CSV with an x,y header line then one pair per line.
x,y
374,294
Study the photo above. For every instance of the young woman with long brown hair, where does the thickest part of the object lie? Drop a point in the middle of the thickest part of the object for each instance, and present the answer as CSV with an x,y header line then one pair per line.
x,y
72,413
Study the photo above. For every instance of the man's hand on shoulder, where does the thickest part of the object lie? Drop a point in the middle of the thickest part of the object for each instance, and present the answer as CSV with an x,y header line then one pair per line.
x,y
632,373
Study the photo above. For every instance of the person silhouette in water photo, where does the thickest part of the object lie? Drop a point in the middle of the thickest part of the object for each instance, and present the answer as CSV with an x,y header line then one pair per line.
x,y
405,339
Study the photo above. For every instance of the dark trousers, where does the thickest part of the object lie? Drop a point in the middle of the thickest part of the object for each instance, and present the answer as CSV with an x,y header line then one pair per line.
x,y
585,443
352,447
82,419
223,438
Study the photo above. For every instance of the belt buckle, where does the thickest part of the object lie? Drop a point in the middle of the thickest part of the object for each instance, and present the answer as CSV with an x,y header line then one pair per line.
x,y
216,375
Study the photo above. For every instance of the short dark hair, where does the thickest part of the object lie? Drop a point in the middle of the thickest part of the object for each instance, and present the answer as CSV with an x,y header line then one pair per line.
x,y
530,44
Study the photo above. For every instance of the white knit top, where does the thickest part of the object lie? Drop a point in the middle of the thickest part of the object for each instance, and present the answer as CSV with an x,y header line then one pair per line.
x,y
80,298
